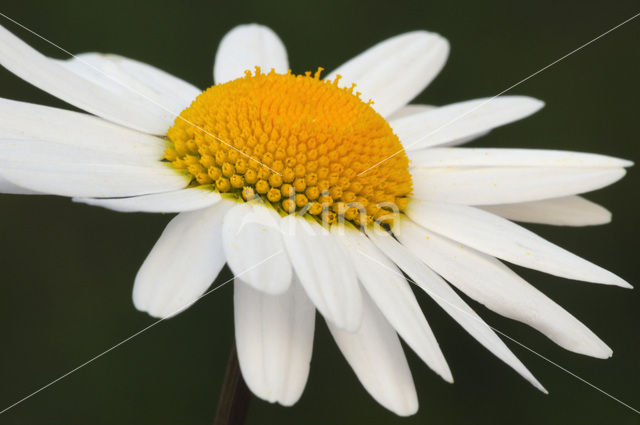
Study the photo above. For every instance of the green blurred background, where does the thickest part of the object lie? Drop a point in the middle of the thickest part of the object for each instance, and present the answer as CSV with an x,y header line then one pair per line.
x,y
68,269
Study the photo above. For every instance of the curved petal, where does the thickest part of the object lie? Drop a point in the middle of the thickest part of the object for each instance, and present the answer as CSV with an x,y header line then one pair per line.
x,y
133,110
450,302
190,199
391,293
245,47
566,211
452,123
504,239
393,72
497,157
329,279
274,338
375,355
122,75
491,283
21,120
504,185
183,263
72,171
252,241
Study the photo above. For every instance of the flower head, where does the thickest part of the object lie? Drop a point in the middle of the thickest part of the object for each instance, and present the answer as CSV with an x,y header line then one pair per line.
x,y
319,194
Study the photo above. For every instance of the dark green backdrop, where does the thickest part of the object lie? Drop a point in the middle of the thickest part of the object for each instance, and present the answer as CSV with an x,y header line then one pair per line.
x,y
67,269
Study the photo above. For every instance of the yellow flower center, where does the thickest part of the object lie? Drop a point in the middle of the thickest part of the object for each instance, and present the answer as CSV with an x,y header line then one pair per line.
x,y
301,143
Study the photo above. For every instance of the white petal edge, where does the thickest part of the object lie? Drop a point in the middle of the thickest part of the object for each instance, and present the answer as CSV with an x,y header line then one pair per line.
x,y
123,76
21,120
252,241
504,185
245,47
193,198
11,189
504,239
396,70
409,110
274,339
392,294
566,211
66,170
326,275
183,263
375,355
133,111
459,121
496,157
441,292
493,284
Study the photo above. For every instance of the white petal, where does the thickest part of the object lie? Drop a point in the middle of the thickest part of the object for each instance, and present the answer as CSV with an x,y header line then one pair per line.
x,y
72,171
133,110
567,211
492,157
393,72
190,199
457,121
9,188
245,47
491,283
183,263
390,291
252,241
375,355
450,302
325,273
123,76
504,185
274,338
411,109
21,120
504,239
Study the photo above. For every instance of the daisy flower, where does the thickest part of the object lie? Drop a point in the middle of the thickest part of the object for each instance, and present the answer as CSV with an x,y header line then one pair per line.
x,y
320,194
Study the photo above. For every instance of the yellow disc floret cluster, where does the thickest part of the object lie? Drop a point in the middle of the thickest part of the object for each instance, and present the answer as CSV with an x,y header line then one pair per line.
x,y
304,144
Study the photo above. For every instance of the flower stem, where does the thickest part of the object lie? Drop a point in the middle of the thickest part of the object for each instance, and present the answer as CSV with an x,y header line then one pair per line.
x,y
233,403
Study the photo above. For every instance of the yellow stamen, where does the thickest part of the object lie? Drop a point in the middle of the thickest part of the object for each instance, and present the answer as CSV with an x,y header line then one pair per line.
x,y
297,141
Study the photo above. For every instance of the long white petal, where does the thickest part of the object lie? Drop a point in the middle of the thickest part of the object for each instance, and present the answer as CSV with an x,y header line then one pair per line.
x,y
566,211
504,239
123,76
375,355
133,110
450,302
491,283
494,157
251,237
392,294
393,72
73,171
451,123
274,339
21,120
245,47
504,185
190,199
183,263
325,273
9,188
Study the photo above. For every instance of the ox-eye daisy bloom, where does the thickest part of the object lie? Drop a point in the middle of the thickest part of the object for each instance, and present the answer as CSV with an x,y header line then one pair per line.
x,y
318,195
